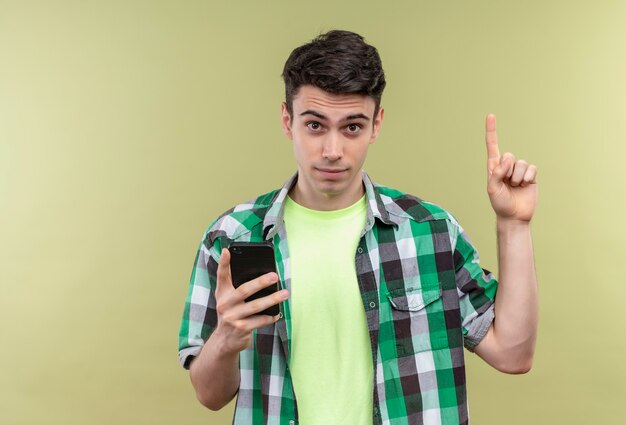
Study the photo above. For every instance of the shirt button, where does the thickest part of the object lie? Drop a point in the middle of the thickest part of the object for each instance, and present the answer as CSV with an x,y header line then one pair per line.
x,y
292,422
359,250
372,304
280,315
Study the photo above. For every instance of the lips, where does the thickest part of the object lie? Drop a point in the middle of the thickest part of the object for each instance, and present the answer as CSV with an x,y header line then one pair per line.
x,y
331,173
330,170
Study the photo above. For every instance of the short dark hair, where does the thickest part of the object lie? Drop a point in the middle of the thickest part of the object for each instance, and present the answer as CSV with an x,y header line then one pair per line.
x,y
339,62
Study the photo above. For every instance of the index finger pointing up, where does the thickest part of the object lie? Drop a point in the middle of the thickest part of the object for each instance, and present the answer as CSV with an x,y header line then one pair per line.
x,y
491,137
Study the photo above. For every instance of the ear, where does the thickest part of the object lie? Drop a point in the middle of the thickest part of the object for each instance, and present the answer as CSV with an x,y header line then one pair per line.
x,y
286,121
377,124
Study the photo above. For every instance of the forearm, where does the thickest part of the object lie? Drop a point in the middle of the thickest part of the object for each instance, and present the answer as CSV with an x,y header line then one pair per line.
x,y
512,187
215,374
516,305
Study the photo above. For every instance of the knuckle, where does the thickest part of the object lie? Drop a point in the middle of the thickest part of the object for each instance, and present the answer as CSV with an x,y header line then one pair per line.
x,y
221,309
228,317
240,325
244,291
227,323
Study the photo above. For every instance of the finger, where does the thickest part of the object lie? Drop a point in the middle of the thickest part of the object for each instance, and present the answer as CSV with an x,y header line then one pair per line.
x,y
519,170
530,177
508,161
224,278
255,285
258,321
260,304
491,138
240,310
498,175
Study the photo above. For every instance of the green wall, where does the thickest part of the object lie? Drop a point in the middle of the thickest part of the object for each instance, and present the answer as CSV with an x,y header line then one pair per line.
x,y
122,128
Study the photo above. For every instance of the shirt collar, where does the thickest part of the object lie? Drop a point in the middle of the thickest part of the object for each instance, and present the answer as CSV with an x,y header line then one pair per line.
x,y
375,207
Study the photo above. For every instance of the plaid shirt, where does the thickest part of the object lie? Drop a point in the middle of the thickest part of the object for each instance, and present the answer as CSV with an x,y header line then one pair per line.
x,y
424,294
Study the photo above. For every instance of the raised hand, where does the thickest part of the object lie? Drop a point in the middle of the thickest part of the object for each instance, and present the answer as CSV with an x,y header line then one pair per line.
x,y
511,184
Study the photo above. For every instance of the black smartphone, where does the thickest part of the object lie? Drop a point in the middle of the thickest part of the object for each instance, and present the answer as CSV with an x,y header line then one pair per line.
x,y
249,260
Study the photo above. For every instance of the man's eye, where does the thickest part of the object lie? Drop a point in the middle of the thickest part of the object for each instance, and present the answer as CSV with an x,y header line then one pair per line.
x,y
314,125
353,128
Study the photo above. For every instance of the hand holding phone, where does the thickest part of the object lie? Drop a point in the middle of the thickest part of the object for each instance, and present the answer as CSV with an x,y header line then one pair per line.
x,y
248,261
236,318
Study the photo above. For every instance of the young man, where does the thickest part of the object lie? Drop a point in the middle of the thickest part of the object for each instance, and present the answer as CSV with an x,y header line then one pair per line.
x,y
380,291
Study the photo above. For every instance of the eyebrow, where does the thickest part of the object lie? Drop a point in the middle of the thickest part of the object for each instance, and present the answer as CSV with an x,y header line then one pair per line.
x,y
324,117
357,116
314,113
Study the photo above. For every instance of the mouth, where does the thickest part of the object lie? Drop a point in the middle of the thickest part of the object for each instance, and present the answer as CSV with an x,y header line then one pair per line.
x,y
331,173
332,170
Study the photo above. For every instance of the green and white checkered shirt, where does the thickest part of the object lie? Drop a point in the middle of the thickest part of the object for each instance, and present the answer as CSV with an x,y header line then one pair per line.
x,y
424,294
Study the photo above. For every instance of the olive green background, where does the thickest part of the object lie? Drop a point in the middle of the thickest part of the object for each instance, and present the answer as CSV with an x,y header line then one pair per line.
x,y
127,126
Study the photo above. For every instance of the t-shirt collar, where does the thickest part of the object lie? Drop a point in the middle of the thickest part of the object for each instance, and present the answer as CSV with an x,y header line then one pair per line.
x,y
375,207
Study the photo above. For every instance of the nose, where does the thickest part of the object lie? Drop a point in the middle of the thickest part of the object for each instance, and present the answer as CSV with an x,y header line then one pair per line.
x,y
333,147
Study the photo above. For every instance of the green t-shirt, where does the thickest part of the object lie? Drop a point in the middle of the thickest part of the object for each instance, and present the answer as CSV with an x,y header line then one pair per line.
x,y
330,361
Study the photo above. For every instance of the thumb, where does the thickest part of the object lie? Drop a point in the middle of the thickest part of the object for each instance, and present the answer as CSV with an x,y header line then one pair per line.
x,y
498,174
224,278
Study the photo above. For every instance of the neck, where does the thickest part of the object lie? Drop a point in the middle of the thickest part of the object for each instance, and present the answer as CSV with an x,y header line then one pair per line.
x,y
326,201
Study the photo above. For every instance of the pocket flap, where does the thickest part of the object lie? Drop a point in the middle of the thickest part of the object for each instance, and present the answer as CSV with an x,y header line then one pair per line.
x,y
414,299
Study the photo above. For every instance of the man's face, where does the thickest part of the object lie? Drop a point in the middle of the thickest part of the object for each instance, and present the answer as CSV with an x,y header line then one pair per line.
x,y
331,134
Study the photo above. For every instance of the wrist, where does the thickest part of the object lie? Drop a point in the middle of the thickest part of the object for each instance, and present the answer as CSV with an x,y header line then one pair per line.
x,y
509,225
510,228
220,345
512,231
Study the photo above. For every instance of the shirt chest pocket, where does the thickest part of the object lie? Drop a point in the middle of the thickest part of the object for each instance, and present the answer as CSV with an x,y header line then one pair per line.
x,y
419,322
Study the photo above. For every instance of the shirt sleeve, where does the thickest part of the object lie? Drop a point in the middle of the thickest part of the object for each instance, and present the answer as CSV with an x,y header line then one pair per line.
x,y
477,291
199,316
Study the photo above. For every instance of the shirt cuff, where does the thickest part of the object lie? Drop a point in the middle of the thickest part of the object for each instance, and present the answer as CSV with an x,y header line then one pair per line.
x,y
187,354
479,327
